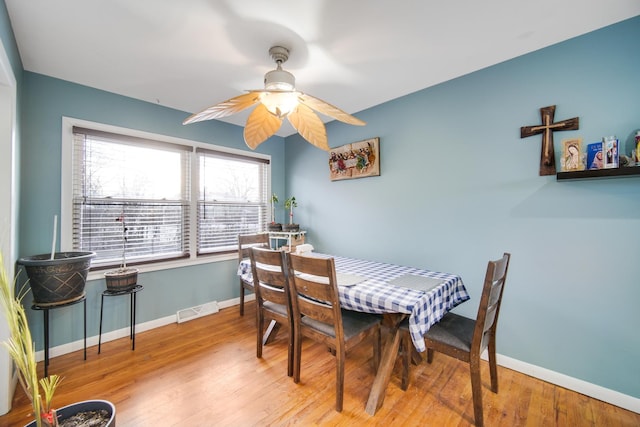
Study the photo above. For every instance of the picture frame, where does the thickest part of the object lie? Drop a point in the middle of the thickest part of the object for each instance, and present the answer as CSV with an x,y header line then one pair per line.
x,y
594,156
356,160
610,152
572,155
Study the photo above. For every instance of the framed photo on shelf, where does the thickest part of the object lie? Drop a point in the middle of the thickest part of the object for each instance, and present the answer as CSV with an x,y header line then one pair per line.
x,y
595,156
610,152
572,155
356,160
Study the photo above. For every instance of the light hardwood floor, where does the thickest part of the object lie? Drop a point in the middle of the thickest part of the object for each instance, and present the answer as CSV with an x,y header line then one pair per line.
x,y
205,373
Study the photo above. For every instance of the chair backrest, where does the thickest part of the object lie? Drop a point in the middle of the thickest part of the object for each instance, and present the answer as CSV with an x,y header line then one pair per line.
x,y
248,241
314,291
269,276
490,301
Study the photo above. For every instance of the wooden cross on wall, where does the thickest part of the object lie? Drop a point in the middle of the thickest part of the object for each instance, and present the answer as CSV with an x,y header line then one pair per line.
x,y
547,155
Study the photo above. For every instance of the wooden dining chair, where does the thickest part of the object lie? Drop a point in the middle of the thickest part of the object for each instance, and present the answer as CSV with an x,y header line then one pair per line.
x,y
245,243
317,315
466,339
269,271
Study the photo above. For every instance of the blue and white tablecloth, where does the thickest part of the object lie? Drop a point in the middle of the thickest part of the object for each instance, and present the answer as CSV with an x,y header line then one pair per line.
x,y
377,293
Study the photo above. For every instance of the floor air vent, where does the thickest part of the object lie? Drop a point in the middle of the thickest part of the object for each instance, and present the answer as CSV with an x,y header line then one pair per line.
x,y
197,311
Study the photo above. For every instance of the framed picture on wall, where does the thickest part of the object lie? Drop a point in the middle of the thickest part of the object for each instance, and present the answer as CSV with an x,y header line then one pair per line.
x,y
356,160
572,155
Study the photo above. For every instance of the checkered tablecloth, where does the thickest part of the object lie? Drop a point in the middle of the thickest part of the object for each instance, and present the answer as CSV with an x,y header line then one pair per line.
x,y
376,295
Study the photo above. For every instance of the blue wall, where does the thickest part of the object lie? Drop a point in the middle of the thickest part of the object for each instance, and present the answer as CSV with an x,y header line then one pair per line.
x,y
45,101
459,187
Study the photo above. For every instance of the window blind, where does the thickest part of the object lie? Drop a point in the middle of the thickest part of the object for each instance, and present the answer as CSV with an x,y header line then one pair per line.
x,y
130,196
232,199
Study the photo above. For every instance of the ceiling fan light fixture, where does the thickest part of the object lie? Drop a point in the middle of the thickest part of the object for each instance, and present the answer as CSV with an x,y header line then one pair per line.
x,y
278,99
280,104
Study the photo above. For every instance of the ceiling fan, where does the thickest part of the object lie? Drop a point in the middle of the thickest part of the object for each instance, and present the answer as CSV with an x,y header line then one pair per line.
x,y
278,99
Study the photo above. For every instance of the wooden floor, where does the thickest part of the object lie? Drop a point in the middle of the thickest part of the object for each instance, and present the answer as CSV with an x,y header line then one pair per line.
x,y
204,373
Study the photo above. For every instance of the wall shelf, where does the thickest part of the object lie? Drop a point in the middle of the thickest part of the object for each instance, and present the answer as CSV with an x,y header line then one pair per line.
x,y
600,173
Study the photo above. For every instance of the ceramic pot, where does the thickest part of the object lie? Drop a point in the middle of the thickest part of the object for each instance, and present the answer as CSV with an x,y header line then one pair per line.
x,y
60,280
87,405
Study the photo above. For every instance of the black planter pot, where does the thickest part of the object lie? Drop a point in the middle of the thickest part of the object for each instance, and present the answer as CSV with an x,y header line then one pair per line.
x,y
290,227
275,226
87,405
59,280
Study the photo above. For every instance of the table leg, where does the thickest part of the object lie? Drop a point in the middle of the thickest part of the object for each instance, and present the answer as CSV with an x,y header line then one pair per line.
x,y
387,362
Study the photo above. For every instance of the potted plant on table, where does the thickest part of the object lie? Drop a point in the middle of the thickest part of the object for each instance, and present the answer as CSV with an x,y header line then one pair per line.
x,y
289,204
22,351
273,225
123,278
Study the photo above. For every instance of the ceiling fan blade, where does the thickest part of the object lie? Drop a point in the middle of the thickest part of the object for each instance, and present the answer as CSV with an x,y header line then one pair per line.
x,y
329,110
225,108
261,124
309,126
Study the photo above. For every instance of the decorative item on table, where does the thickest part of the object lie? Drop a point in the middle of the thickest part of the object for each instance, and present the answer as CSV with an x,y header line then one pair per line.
x,y
357,160
304,248
610,151
273,225
572,155
594,156
123,278
289,204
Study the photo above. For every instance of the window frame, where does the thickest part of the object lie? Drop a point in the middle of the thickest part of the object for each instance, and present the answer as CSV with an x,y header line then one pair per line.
x,y
66,194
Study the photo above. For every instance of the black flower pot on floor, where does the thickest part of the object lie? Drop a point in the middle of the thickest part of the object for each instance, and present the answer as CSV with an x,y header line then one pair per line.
x,y
88,411
60,280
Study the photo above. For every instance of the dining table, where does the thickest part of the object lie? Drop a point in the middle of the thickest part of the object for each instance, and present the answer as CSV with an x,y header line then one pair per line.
x,y
396,292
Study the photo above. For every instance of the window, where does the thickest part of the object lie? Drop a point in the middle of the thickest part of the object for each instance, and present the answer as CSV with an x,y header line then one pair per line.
x,y
232,199
154,199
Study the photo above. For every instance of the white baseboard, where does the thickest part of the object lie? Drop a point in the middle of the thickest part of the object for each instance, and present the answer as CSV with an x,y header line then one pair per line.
x,y
106,337
592,390
124,332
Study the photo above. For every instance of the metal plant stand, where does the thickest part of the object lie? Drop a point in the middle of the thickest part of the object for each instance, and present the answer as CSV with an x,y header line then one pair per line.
x,y
45,311
132,313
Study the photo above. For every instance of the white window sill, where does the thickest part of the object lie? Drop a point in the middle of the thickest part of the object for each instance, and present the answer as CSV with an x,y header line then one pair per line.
x,y
168,265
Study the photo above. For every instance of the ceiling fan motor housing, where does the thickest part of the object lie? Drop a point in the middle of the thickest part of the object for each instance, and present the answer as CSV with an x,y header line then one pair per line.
x,y
279,79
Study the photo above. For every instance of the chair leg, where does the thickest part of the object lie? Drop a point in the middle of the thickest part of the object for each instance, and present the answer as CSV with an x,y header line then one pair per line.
x,y
259,327
340,378
493,369
429,355
241,299
476,391
290,352
297,355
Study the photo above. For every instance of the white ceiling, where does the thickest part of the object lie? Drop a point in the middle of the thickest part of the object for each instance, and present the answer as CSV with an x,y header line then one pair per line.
x,y
354,54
